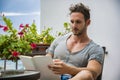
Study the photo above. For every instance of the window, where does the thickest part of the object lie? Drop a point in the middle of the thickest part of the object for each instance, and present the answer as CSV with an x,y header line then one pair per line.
x,y
21,12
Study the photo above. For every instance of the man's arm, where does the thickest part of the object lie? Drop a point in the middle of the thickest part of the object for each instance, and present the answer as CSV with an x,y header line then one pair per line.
x,y
60,67
49,54
93,66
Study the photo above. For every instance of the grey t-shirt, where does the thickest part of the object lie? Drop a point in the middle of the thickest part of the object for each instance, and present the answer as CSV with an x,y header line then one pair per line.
x,y
80,58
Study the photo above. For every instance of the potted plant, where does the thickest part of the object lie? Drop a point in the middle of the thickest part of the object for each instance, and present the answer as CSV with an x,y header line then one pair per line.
x,y
24,41
17,42
45,39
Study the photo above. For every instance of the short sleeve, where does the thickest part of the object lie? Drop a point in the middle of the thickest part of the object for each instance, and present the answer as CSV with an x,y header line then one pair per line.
x,y
56,42
97,54
53,46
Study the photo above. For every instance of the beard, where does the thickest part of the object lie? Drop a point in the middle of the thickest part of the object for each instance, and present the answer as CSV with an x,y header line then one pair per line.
x,y
78,32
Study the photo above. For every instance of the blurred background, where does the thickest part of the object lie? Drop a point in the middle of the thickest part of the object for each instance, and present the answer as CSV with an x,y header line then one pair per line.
x,y
104,28
21,12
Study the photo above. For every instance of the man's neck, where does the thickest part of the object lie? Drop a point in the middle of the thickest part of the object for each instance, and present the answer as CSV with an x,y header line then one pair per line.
x,y
80,38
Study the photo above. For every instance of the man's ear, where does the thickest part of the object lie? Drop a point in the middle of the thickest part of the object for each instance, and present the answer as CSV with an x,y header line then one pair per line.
x,y
88,22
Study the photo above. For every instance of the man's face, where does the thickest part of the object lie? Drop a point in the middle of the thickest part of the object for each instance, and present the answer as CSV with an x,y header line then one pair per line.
x,y
78,23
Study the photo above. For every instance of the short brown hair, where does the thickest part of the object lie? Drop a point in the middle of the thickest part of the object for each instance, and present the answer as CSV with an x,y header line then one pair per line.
x,y
82,9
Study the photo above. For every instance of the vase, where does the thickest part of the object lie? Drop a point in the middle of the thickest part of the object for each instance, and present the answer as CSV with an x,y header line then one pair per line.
x,y
5,64
7,72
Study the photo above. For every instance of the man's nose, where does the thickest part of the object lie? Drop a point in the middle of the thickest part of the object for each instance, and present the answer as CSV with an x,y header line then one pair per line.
x,y
74,25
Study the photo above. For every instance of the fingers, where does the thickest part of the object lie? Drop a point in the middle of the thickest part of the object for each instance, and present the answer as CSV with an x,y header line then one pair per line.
x,y
56,60
55,68
57,64
56,72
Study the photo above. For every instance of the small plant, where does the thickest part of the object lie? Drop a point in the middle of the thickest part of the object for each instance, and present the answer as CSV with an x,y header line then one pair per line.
x,y
46,37
23,41
16,42
67,29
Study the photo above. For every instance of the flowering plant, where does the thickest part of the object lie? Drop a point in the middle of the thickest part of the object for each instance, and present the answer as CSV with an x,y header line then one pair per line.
x,y
16,42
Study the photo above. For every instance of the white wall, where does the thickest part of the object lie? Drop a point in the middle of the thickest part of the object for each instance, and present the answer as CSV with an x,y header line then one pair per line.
x,y
104,28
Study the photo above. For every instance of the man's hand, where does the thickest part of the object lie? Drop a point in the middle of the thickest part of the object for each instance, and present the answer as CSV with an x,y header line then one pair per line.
x,y
59,67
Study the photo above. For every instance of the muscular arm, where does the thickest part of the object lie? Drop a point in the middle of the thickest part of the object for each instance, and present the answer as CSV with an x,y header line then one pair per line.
x,y
93,66
60,67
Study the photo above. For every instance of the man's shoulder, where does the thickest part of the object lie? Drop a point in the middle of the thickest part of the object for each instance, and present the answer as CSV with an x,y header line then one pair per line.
x,y
95,46
92,43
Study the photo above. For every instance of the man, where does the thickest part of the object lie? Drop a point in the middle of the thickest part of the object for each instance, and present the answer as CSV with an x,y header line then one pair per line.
x,y
76,54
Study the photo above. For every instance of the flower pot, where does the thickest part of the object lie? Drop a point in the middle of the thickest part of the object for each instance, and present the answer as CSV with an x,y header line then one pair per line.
x,y
40,49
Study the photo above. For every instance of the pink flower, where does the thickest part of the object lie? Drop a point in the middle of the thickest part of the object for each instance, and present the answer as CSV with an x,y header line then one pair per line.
x,y
27,25
1,26
15,54
5,28
21,26
33,45
21,33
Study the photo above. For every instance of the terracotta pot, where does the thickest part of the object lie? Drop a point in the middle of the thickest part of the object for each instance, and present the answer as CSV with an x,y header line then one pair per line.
x,y
40,49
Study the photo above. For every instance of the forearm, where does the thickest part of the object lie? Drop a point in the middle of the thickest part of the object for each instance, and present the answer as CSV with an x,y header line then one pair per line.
x,y
82,72
74,70
95,69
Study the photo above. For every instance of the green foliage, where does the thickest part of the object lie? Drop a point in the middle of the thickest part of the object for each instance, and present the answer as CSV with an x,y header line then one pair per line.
x,y
66,28
45,36
13,43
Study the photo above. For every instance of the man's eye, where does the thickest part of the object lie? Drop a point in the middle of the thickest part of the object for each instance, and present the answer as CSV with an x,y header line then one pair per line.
x,y
77,22
72,21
